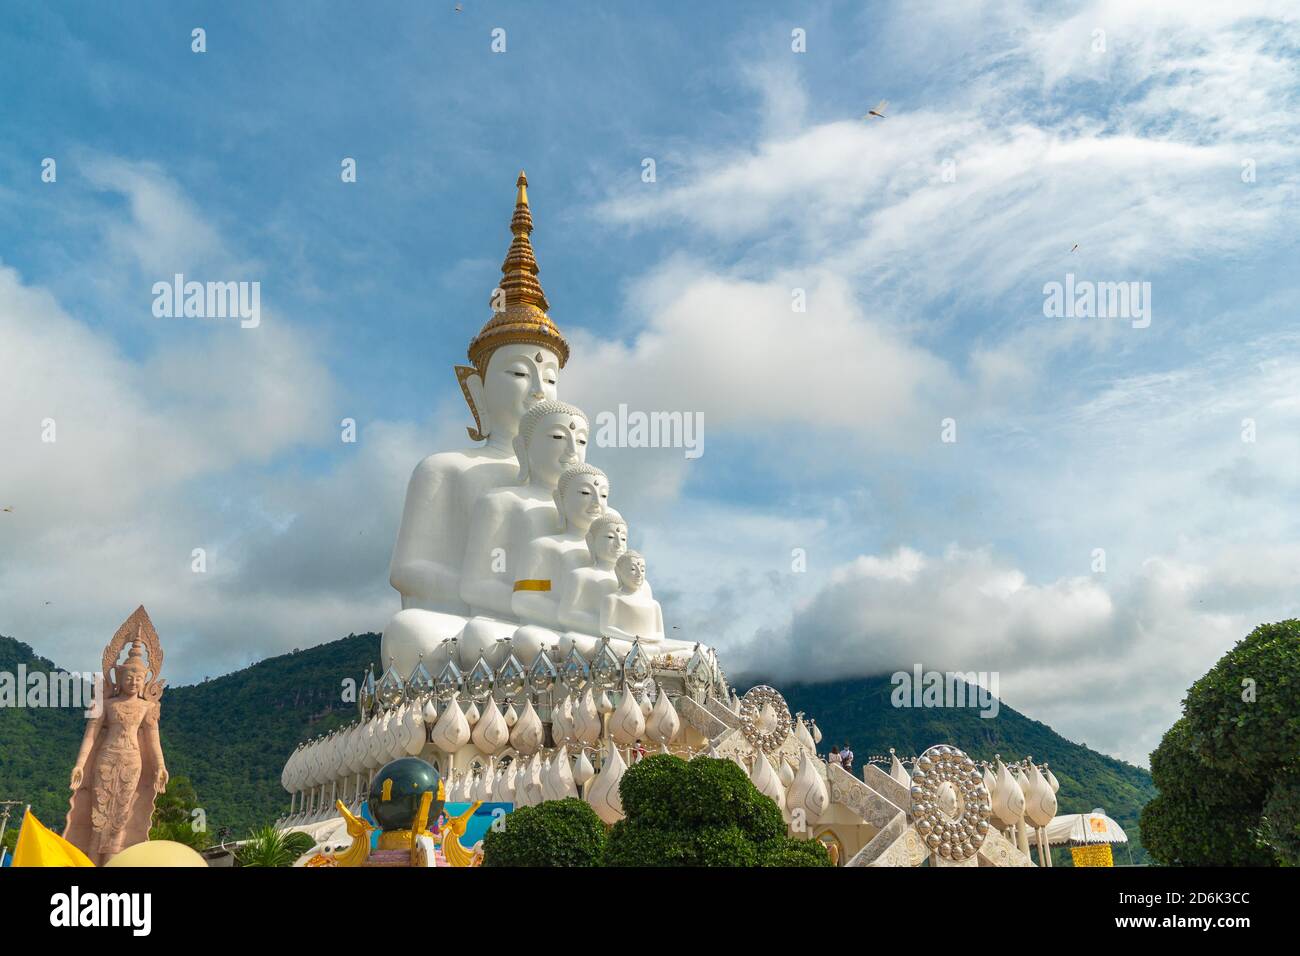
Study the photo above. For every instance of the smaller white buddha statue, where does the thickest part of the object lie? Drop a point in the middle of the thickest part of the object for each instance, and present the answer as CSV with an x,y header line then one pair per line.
x,y
582,589
630,612
581,497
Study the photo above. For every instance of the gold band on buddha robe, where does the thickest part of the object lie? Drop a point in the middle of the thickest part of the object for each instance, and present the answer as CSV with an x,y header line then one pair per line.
x,y
533,584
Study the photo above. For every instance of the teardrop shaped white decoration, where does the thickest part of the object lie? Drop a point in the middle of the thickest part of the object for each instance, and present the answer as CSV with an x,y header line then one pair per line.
x,y
605,705
1022,781
527,734
897,771
430,711
1040,808
1052,781
1008,798
486,777
603,793
534,780
804,738
647,708
511,715
786,774
562,720
816,734
582,769
491,733
767,782
451,732
663,724
627,723
547,776
472,714
501,788
586,720
808,791
564,785
414,731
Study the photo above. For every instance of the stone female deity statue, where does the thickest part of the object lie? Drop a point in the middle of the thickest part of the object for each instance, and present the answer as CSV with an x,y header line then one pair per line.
x,y
120,769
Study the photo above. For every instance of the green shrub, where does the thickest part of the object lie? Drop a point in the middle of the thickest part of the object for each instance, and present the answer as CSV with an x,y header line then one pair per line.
x,y
702,813
1281,816
1255,737
1227,771
555,833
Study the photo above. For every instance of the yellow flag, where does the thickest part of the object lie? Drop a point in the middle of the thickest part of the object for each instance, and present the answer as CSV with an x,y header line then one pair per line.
x,y
39,846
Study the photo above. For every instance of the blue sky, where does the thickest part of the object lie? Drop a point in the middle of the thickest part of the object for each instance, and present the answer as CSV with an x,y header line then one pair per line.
x,y
925,301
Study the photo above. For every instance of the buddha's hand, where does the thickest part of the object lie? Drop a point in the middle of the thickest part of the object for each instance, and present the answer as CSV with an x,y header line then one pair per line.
x,y
77,775
160,782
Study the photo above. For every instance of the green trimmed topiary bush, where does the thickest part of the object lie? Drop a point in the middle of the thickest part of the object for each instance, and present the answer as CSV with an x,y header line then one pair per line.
x,y
1228,771
702,813
555,833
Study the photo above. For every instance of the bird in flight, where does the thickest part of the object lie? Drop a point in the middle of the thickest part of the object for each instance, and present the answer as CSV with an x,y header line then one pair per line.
x,y
1076,246
459,7
878,110
7,508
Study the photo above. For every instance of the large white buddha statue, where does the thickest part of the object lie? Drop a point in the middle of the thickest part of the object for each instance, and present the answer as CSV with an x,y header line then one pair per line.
x,y
514,364
506,521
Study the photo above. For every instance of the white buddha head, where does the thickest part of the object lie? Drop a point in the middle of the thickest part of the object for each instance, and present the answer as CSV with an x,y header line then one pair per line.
x,y
518,376
581,496
630,571
552,438
607,538
516,357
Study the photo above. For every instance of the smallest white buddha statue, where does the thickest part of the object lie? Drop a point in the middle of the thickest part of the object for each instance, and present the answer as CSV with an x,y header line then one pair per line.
x,y
630,612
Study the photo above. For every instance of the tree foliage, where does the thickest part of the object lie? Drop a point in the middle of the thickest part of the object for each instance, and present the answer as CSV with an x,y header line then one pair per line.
x,y
701,813
173,815
1228,771
555,833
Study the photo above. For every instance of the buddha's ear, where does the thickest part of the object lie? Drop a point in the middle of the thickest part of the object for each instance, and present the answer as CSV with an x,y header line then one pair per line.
x,y
521,452
559,509
471,386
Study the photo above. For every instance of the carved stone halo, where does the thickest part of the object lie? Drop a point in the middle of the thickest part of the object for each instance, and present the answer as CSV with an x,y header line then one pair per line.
x,y
764,718
950,804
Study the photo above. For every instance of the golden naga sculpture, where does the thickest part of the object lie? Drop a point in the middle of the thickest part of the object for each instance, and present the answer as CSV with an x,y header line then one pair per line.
x,y
448,836
120,769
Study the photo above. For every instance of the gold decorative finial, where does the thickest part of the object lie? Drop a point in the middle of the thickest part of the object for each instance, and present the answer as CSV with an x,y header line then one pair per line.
x,y
519,305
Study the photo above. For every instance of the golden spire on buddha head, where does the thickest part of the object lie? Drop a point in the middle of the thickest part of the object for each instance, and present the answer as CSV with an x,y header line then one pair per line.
x,y
519,311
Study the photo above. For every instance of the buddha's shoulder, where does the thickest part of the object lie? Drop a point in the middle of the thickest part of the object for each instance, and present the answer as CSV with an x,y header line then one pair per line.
x,y
444,463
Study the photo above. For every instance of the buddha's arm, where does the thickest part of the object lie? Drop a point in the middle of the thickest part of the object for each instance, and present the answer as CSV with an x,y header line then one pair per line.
x,y
608,615
527,603
572,612
481,584
417,567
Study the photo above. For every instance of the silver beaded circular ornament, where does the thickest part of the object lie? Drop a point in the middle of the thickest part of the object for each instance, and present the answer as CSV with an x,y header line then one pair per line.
x,y
761,735
953,835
